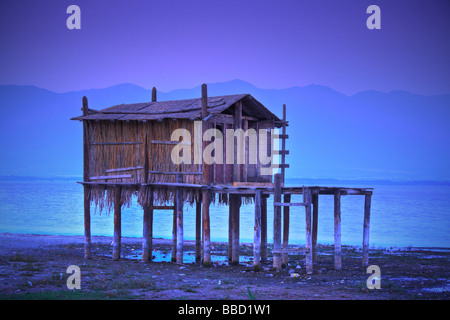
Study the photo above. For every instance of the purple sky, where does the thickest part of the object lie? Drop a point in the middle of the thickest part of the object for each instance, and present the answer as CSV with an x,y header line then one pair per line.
x,y
272,44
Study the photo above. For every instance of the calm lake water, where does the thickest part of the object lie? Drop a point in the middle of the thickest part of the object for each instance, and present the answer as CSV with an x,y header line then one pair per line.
x,y
402,214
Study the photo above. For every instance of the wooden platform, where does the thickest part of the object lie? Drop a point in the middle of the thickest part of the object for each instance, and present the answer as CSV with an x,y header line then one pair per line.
x,y
260,192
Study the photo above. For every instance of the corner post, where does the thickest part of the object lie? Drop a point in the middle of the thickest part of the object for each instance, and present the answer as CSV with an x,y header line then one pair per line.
x,y
264,229
277,224
86,188
337,230
235,204
366,227
286,209
206,181
315,222
179,208
117,223
257,232
148,214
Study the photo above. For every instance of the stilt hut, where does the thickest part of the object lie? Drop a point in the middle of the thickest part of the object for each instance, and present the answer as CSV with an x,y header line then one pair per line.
x,y
158,152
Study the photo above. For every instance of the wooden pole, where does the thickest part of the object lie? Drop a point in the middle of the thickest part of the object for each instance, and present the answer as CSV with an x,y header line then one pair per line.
x,y
86,189
147,242
237,125
366,227
206,229
337,230
235,203
283,146
315,221
117,224
230,228
308,246
153,94
148,214
174,231
179,206
264,229
284,255
257,232
205,193
198,230
277,224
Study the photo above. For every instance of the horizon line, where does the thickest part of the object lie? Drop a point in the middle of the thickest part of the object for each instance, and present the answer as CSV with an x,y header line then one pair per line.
x,y
228,81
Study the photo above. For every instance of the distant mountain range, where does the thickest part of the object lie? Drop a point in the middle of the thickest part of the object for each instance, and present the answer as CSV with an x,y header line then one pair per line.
x,y
369,135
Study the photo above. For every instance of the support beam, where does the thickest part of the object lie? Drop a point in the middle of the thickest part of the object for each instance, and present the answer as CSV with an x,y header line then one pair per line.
x,y
174,231
237,125
308,246
277,224
315,221
206,229
337,230
147,241
230,229
366,227
206,180
117,224
198,230
235,204
264,229
179,208
257,232
86,189
148,214
284,255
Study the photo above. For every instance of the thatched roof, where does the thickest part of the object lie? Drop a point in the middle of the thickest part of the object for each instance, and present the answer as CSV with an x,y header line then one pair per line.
x,y
180,109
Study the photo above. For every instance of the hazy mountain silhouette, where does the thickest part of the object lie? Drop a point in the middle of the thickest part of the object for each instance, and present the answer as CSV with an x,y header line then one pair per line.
x,y
370,135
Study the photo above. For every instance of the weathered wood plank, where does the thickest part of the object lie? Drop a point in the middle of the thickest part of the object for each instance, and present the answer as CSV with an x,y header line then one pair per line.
x,y
264,229
337,230
277,224
117,224
291,204
235,204
124,169
315,204
366,229
175,172
118,176
284,256
147,241
308,246
257,231
198,230
179,206
86,189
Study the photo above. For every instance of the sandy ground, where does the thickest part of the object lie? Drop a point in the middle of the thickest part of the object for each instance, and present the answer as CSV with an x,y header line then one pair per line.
x,y
34,267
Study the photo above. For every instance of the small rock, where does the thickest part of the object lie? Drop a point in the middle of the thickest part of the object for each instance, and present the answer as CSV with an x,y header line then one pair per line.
x,y
298,267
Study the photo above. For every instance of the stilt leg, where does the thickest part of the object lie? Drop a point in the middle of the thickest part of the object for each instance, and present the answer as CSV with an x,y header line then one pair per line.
x,y
257,232
367,203
337,230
